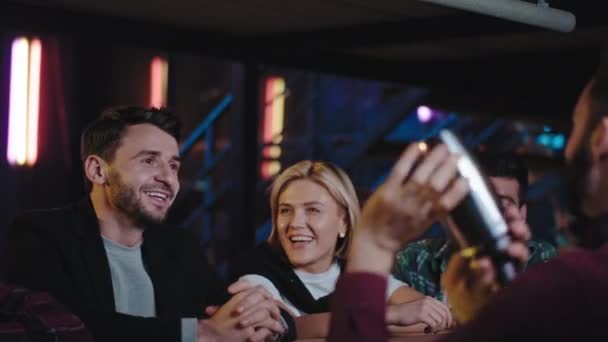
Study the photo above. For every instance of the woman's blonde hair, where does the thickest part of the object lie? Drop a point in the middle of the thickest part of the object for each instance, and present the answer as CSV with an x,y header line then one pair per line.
x,y
331,178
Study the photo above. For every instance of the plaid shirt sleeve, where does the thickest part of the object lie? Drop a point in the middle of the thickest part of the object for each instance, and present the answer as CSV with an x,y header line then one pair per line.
x,y
419,266
540,252
421,263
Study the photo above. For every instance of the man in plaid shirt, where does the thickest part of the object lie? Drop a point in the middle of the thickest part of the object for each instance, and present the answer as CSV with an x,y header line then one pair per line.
x,y
422,263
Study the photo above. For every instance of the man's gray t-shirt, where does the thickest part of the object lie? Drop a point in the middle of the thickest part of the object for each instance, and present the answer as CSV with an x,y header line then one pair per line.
x,y
133,288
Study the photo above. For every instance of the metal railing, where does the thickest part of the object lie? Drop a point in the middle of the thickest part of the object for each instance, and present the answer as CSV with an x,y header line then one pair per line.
x,y
210,191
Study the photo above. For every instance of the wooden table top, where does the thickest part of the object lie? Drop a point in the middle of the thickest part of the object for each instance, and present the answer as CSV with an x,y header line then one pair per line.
x,y
398,336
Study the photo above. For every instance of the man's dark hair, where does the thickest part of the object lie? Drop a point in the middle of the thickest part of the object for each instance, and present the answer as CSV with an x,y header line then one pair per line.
x,y
102,137
599,88
508,166
598,100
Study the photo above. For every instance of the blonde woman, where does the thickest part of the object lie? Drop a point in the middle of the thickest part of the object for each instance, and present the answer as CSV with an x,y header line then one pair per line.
x,y
314,210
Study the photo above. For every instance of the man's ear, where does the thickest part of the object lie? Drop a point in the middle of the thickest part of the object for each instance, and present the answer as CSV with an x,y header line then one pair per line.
x,y
599,140
95,170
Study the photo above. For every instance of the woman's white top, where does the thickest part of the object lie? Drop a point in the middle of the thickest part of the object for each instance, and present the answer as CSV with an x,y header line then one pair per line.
x,y
318,284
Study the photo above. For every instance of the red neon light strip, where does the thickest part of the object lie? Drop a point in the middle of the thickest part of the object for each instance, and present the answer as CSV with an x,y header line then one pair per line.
x,y
158,82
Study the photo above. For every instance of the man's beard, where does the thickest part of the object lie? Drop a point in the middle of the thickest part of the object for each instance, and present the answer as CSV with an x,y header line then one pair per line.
x,y
125,199
590,232
577,179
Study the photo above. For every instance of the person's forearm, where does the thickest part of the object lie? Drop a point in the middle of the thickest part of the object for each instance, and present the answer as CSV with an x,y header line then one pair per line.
x,y
404,294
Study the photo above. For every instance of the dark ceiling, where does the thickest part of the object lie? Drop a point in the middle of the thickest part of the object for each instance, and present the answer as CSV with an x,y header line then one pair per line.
x,y
471,62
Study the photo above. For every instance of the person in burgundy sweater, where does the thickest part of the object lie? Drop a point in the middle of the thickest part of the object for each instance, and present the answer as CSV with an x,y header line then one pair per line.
x,y
561,300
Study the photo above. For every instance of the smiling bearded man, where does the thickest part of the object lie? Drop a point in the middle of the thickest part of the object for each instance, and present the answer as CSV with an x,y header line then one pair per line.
x,y
111,259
